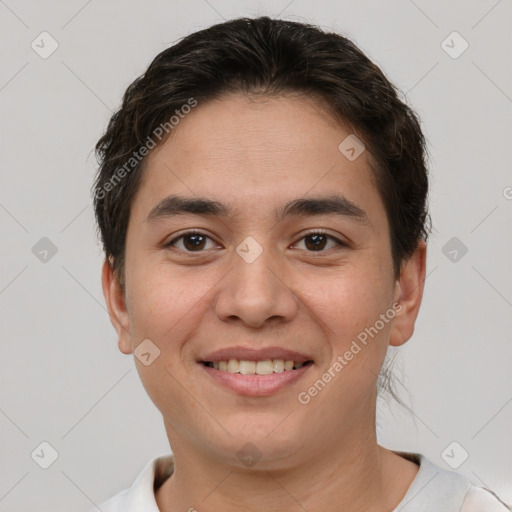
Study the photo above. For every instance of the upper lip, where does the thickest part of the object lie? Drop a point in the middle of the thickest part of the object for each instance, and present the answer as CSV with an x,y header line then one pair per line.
x,y
252,354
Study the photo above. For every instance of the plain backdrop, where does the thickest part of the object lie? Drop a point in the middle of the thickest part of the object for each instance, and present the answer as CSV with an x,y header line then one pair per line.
x,y
63,380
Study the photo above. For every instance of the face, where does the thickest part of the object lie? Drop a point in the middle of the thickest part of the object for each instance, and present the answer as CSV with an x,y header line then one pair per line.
x,y
259,281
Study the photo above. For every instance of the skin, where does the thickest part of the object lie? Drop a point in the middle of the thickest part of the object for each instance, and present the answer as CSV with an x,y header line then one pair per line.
x,y
256,155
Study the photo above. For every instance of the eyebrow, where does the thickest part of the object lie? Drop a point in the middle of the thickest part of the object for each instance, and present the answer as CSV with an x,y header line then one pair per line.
x,y
174,205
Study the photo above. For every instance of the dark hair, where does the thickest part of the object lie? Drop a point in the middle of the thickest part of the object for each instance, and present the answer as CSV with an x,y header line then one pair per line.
x,y
265,56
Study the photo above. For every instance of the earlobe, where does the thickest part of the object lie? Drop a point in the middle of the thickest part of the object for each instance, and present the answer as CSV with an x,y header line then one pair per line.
x,y
116,304
408,294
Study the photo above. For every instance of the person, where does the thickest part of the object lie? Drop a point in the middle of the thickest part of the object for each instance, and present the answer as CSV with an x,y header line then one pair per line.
x,y
262,203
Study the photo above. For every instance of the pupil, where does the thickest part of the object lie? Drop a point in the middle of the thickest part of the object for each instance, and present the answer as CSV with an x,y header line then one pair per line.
x,y
316,238
197,244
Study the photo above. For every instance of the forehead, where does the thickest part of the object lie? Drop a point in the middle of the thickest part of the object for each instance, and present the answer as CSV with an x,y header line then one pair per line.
x,y
249,152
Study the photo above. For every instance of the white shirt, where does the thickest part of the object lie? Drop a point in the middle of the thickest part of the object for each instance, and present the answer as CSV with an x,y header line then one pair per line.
x,y
432,490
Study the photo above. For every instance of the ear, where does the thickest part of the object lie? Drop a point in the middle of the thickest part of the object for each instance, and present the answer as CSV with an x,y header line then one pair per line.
x,y
408,294
116,304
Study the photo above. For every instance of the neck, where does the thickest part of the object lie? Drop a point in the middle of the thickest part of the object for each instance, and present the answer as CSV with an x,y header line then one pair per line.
x,y
355,471
338,465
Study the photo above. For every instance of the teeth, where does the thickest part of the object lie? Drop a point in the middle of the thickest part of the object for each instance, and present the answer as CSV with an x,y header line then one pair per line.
x,y
247,367
265,367
233,366
278,365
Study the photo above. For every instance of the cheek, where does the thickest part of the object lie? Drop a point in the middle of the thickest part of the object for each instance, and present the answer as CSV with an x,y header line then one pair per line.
x,y
351,307
165,309
168,307
349,301
164,300
351,312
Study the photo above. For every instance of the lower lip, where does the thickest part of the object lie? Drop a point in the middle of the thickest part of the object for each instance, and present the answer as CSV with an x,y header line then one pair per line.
x,y
256,385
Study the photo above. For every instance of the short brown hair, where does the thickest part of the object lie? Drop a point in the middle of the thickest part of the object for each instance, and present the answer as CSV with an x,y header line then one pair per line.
x,y
266,56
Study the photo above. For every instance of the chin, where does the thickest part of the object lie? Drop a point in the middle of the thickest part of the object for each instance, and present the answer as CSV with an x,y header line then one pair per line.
x,y
264,446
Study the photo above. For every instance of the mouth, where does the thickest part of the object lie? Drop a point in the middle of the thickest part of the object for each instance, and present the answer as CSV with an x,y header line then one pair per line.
x,y
263,367
255,372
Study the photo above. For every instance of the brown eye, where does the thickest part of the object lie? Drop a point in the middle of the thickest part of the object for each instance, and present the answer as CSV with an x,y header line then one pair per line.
x,y
192,241
317,241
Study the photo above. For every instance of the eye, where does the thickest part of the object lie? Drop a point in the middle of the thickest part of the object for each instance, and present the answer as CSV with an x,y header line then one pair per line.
x,y
316,241
195,241
192,241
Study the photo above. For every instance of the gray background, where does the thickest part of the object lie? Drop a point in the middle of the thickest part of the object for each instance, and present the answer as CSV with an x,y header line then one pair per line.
x,y
62,377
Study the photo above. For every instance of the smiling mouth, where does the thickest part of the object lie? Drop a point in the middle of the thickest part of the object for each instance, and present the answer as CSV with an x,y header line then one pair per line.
x,y
264,367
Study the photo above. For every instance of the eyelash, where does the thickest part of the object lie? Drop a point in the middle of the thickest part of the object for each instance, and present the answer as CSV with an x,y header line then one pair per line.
x,y
339,243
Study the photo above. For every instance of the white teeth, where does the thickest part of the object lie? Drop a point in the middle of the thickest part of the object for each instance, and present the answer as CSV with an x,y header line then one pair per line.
x,y
233,366
278,365
247,367
265,367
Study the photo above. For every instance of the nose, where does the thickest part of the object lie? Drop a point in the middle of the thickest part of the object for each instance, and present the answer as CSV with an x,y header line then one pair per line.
x,y
256,292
